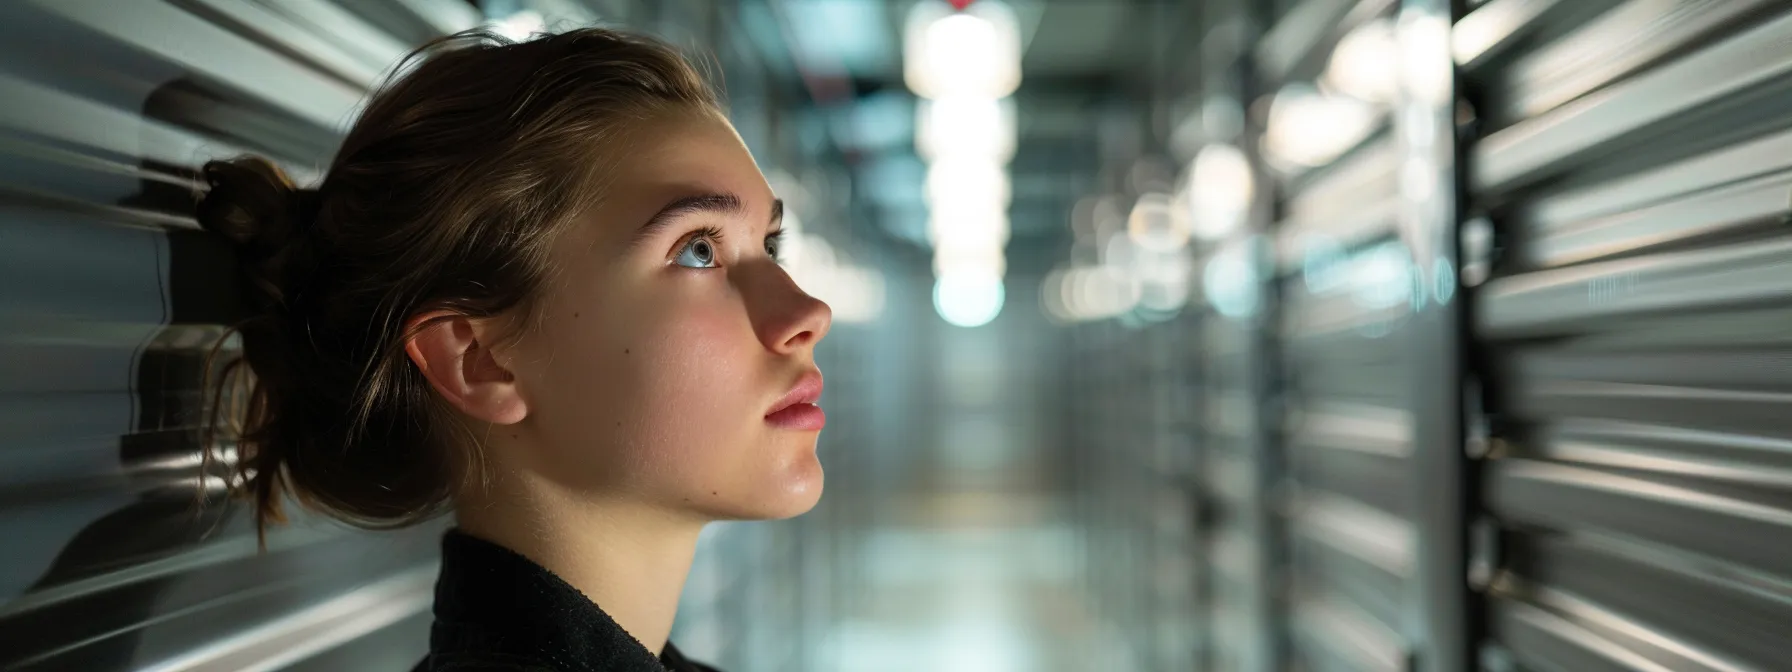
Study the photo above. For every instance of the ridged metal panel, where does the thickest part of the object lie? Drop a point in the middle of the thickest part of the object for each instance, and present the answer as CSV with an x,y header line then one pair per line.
x,y
1346,425
110,297
1238,562
1638,335
1348,433
1736,82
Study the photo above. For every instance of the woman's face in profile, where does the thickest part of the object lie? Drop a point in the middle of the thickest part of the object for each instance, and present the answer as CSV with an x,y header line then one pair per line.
x,y
671,333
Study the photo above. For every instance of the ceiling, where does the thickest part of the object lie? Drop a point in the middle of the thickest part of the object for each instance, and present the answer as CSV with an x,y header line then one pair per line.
x,y
1087,74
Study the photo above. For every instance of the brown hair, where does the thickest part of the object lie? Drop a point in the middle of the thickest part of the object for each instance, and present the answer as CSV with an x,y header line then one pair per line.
x,y
445,195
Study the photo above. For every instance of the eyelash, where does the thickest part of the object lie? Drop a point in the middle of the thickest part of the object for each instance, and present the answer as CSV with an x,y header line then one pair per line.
x,y
775,240
714,235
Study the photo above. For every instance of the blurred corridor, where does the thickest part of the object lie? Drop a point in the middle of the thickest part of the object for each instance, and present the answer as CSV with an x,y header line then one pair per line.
x,y
1379,335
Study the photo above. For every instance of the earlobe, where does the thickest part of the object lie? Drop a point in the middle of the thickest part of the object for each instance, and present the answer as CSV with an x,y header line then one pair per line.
x,y
448,350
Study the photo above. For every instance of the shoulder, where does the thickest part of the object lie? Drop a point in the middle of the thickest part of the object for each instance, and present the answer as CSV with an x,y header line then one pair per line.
x,y
483,662
675,661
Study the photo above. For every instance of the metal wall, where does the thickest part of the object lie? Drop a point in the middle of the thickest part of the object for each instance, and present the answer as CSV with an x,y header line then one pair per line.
x,y
1525,344
1345,410
1633,175
110,296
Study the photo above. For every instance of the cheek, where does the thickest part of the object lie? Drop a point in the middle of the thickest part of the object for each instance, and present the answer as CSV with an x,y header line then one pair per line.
x,y
663,395
663,385
694,379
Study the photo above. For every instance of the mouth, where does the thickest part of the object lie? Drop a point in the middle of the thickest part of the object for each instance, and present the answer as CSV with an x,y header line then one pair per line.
x,y
797,409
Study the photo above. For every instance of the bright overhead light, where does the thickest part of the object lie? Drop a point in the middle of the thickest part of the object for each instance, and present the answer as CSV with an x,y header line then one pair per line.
x,y
980,228
1309,128
1220,189
959,184
968,299
969,261
975,52
972,127
1155,225
1365,65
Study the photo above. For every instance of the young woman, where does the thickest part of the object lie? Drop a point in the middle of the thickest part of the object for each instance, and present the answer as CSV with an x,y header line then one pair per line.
x,y
538,288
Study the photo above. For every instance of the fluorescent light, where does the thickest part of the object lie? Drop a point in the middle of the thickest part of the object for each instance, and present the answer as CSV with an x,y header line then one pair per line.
x,y
1220,188
968,299
1155,225
968,228
1365,65
975,52
974,127
1309,128
967,184
950,261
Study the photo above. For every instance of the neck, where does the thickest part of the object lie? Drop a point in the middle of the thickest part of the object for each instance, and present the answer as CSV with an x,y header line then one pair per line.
x,y
631,560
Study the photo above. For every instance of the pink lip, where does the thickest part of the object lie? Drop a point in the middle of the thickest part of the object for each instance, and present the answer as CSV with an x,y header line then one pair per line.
x,y
797,410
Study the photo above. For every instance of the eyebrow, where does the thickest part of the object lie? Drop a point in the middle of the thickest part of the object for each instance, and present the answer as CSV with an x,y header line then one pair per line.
x,y
717,203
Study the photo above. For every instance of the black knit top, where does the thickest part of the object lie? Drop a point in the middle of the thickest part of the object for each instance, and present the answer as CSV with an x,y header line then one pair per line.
x,y
497,610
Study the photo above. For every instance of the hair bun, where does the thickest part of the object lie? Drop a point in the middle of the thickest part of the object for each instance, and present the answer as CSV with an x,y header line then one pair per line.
x,y
254,204
257,207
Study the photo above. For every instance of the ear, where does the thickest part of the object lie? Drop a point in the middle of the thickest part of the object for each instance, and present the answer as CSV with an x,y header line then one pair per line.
x,y
461,367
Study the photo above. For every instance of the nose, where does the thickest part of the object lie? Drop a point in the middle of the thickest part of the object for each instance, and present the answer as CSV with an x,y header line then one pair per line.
x,y
786,318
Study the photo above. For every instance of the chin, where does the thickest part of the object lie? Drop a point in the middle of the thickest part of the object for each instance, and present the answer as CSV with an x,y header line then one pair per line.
x,y
800,503
796,495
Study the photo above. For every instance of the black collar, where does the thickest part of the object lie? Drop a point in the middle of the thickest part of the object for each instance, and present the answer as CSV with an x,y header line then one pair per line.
x,y
497,609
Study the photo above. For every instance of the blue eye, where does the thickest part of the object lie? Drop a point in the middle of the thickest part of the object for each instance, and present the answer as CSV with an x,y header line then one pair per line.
x,y
772,243
699,253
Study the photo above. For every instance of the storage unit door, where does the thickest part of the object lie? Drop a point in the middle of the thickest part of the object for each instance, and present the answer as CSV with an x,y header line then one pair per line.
x,y
1635,166
110,297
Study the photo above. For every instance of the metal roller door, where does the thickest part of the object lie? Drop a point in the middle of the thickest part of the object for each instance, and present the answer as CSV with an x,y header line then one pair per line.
x,y
1348,427
109,297
1238,540
1238,462
1634,178
1345,424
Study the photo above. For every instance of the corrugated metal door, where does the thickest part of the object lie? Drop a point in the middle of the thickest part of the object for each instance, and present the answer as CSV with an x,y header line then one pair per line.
x,y
1636,173
1242,556
1238,460
1349,425
1346,409
109,296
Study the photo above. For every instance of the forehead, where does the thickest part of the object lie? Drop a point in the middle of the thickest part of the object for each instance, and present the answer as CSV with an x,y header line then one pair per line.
x,y
683,154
